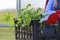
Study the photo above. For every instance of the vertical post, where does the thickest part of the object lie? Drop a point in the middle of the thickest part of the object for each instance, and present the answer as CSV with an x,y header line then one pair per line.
x,y
35,26
18,6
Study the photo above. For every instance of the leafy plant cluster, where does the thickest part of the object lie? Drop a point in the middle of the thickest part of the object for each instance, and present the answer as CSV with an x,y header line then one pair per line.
x,y
8,18
27,14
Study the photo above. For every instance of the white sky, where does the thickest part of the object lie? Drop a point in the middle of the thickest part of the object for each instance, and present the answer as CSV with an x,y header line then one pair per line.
x,y
9,4
35,3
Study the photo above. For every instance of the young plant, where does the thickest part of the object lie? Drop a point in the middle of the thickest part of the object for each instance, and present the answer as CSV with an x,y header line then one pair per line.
x,y
7,18
26,15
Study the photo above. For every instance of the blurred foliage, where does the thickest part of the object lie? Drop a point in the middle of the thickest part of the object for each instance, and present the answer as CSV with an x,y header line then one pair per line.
x,y
27,14
7,16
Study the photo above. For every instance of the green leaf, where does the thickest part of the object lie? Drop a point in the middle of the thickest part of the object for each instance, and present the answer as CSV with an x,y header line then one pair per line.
x,y
7,16
28,6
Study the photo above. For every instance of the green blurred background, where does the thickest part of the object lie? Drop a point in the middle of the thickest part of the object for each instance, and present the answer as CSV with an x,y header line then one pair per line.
x,y
7,33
